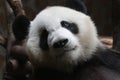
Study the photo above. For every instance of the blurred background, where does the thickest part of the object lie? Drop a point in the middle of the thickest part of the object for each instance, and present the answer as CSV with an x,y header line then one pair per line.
x,y
104,13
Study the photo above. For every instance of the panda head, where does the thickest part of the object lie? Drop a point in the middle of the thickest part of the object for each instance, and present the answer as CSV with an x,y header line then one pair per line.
x,y
61,36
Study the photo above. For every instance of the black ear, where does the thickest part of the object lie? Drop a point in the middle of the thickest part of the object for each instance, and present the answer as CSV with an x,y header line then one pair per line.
x,y
20,27
77,5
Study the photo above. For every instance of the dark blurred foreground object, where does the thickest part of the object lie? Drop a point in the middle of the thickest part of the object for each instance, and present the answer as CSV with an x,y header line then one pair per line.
x,y
18,66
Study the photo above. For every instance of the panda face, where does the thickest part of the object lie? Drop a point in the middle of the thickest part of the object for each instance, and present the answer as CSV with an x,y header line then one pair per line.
x,y
59,44
60,35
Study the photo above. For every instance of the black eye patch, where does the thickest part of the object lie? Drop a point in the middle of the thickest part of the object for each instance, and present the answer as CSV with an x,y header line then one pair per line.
x,y
43,40
70,26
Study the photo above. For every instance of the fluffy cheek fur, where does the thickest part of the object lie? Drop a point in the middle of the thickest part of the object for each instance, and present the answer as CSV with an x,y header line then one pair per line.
x,y
88,38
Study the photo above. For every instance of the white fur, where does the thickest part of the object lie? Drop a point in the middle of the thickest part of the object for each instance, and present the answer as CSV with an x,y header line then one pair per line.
x,y
85,42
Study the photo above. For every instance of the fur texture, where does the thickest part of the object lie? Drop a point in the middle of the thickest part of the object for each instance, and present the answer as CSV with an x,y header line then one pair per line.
x,y
80,47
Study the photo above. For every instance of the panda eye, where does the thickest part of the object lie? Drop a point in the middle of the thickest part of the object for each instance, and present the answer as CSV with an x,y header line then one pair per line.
x,y
70,26
65,24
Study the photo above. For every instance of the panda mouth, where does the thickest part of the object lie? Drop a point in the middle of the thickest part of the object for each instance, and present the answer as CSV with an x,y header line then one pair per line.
x,y
69,50
65,51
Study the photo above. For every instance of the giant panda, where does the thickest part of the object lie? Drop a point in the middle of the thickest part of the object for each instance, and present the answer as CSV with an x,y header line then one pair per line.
x,y
62,44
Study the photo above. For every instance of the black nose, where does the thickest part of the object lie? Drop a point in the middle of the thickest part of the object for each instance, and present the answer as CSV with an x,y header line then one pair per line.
x,y
60,43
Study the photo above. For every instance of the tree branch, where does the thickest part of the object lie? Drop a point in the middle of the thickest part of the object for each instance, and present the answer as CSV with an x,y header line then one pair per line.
x,y
17,7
